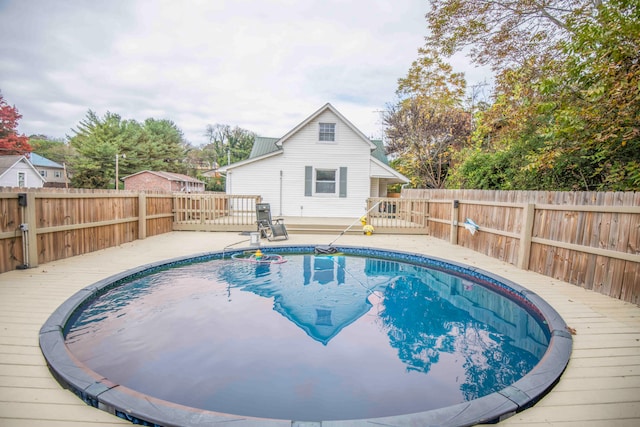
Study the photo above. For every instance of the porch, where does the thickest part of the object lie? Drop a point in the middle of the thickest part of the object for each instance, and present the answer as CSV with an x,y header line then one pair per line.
x,y
212,212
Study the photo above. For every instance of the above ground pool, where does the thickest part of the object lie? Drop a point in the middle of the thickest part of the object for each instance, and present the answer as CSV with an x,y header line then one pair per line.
x,y
294,335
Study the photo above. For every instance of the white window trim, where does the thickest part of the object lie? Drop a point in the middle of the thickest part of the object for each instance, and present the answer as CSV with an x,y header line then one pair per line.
x,y
335,133
24,179
336,182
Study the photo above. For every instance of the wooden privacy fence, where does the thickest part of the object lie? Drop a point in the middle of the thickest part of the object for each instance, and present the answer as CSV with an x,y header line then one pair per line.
x,y
590,239
40,226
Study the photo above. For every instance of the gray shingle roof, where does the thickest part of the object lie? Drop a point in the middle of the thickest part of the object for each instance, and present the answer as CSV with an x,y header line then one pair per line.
x,y
7,161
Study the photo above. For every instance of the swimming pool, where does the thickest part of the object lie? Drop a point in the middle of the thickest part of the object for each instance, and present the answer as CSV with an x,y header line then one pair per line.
x,y
351,297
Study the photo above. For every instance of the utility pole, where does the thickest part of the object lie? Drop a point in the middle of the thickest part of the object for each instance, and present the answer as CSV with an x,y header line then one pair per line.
x,y
117,169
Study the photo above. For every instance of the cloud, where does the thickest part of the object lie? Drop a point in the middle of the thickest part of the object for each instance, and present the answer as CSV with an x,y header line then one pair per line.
x,y
264,66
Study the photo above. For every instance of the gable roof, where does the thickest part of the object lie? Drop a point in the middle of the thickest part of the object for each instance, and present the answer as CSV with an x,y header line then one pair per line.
x,y
40,161
8,162
266,147
170,176
379,169
321,110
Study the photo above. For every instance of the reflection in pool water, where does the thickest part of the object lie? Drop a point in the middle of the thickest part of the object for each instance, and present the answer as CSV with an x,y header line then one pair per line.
x,y
315,338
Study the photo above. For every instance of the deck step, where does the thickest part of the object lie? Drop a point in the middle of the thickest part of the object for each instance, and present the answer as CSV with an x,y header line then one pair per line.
x,y
295,226
314,229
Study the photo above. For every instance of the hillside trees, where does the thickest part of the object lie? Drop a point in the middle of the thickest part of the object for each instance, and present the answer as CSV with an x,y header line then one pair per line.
x,y
566,101
227,144
596,100
10,141
55,149
154,145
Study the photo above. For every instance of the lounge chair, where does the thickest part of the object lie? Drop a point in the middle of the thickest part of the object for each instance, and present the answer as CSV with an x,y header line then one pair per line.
x,y
268,228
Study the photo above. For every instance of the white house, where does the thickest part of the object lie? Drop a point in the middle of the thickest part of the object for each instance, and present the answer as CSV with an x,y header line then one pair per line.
x,y
324,167
17,171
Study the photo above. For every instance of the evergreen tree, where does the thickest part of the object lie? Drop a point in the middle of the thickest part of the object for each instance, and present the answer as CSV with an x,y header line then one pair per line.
x,y
153,145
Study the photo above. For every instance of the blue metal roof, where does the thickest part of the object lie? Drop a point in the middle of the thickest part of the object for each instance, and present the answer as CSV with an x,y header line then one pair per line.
x,y
39,161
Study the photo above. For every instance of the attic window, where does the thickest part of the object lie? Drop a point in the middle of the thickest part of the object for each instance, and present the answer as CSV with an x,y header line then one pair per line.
x,y
327,132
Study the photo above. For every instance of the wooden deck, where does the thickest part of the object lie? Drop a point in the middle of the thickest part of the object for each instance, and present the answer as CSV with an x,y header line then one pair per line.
x,y
601,386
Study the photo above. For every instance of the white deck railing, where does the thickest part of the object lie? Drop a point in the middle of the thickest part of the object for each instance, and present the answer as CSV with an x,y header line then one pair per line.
x,y
398,215
222,212
214,212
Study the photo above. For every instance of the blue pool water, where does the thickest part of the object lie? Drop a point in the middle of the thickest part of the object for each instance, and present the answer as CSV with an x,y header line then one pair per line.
x,y
315,338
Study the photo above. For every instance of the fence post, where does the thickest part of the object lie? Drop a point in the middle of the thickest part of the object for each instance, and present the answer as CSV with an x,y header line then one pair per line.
x,y
202,208
524,251
142,216
453,234
426,216
32,234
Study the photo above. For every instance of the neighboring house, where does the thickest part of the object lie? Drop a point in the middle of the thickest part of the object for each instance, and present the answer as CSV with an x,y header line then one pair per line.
x,y
324,167
162,182
211,173
17,171
53,173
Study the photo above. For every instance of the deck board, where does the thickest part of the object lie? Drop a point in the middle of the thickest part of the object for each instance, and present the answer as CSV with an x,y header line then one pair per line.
x,y
600,387
593,397
576,384
602,412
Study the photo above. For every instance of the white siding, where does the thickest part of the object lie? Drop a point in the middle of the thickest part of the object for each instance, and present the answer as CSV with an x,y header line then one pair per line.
x,y
375,190
304,149
10,177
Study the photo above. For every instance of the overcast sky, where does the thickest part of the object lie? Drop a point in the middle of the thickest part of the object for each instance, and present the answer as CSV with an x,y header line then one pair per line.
x,y
263,65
